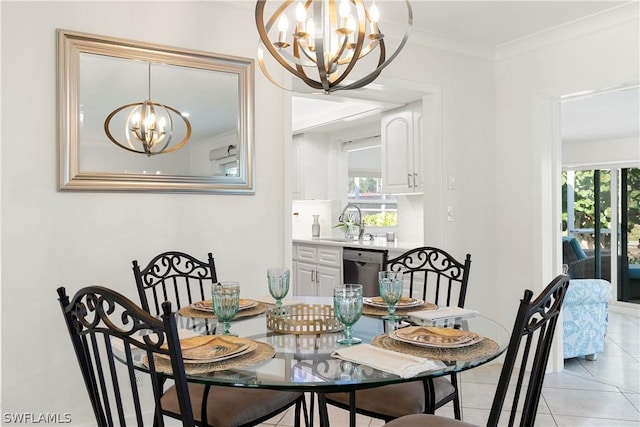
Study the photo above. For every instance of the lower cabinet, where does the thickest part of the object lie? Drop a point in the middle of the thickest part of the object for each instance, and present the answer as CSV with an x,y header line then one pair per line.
x,y
316,269
304,278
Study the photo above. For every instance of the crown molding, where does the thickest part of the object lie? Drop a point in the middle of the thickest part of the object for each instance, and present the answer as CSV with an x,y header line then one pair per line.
x,y
602,20
609,18
445,43
614,16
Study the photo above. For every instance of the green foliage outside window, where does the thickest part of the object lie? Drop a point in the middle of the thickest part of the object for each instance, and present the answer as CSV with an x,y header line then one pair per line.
x,y
584,207
633,195
378,210
381,219
366,185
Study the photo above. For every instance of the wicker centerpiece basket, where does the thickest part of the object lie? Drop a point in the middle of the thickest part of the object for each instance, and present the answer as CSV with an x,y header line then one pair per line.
x,y
303,319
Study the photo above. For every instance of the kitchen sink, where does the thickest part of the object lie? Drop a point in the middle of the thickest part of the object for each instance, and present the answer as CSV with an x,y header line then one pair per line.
x,y
335,239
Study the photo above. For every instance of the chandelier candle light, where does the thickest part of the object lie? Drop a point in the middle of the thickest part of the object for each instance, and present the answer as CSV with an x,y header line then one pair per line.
x,y
328,39
149,126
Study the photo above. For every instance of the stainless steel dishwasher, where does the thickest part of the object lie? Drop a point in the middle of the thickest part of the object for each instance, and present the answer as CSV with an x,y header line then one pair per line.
x,y
362,266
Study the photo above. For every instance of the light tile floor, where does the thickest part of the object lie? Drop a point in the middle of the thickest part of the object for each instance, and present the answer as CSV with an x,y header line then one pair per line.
x,y
600,393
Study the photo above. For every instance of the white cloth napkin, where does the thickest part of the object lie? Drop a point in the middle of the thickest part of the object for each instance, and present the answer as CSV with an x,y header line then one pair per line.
x,y
403,365
442,314
268,299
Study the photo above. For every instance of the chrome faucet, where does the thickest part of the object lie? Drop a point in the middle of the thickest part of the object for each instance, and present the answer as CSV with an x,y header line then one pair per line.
x,y
360,222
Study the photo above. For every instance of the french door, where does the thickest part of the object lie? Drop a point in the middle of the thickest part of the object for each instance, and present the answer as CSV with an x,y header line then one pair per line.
x,y
601,208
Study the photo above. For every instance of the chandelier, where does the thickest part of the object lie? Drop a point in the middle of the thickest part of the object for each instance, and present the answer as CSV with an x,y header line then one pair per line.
x,y
328,38
149,126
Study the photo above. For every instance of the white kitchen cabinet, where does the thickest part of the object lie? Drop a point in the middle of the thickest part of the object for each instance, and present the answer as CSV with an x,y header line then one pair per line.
x,y
327,278
317,269
401,135
297,191
304,276
310,166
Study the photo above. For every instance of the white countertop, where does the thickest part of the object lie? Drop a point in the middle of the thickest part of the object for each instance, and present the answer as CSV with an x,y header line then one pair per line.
x,y
377,243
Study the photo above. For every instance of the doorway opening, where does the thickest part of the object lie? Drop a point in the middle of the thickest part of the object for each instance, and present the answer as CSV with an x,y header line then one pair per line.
x,y
333,140
601,210
600,137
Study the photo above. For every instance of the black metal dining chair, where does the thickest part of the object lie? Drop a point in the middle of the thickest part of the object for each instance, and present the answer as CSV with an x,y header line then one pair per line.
x,y
534,326
107,331
183,279
434,276
176,277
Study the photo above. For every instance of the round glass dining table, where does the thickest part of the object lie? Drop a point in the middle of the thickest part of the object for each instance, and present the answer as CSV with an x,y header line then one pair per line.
x,y
306,362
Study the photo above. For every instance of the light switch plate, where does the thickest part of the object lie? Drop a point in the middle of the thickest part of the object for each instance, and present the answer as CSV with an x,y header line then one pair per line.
x,y
451,182
450,216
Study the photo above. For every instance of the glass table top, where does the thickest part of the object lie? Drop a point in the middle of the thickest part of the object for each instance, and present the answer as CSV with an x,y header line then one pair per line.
x,y
305,362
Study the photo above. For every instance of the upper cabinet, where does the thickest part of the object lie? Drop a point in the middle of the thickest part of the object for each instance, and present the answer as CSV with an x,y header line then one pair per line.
x,y
401,134
297,191
310,158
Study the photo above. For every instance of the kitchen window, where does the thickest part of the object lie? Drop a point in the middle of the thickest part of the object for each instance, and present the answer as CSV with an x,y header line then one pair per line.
x,y
379,210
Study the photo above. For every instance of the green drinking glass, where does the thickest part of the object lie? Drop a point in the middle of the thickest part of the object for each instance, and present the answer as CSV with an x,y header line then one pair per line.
x,y
278,279
347,306
226,300
390,284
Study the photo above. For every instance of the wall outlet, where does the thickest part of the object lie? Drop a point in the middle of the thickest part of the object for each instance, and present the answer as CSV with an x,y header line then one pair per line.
x,y
450,216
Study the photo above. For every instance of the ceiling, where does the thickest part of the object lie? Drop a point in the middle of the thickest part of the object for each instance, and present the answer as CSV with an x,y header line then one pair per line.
x,y
602,116
493,24
490,24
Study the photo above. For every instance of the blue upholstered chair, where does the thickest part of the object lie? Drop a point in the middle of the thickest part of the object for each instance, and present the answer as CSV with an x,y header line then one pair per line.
x,y
585,317
582,263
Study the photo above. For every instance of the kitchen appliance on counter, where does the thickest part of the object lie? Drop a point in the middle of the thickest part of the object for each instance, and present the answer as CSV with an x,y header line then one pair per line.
x,y
362,266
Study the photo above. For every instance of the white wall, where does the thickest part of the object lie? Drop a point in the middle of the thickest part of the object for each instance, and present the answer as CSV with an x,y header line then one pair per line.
x,y
315,164
468,152
108,157
596,53
303,212
465,83
53,238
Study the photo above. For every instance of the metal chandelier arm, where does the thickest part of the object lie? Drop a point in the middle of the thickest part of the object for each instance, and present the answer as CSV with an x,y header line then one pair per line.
x,y
332,68
143,127
146,150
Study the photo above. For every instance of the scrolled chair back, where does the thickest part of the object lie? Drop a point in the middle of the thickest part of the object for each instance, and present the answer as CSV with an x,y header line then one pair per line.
x,y
176,277
434,275
111,335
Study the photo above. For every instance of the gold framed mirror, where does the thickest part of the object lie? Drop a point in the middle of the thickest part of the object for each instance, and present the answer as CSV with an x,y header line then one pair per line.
x,y
98,74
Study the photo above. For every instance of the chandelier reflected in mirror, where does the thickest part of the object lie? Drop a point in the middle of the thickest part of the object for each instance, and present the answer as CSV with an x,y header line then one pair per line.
x,y
326,41
148,128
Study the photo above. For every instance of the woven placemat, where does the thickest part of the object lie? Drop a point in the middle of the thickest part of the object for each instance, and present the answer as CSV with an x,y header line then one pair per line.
x,y
461,354
260,354
189,311
370,310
